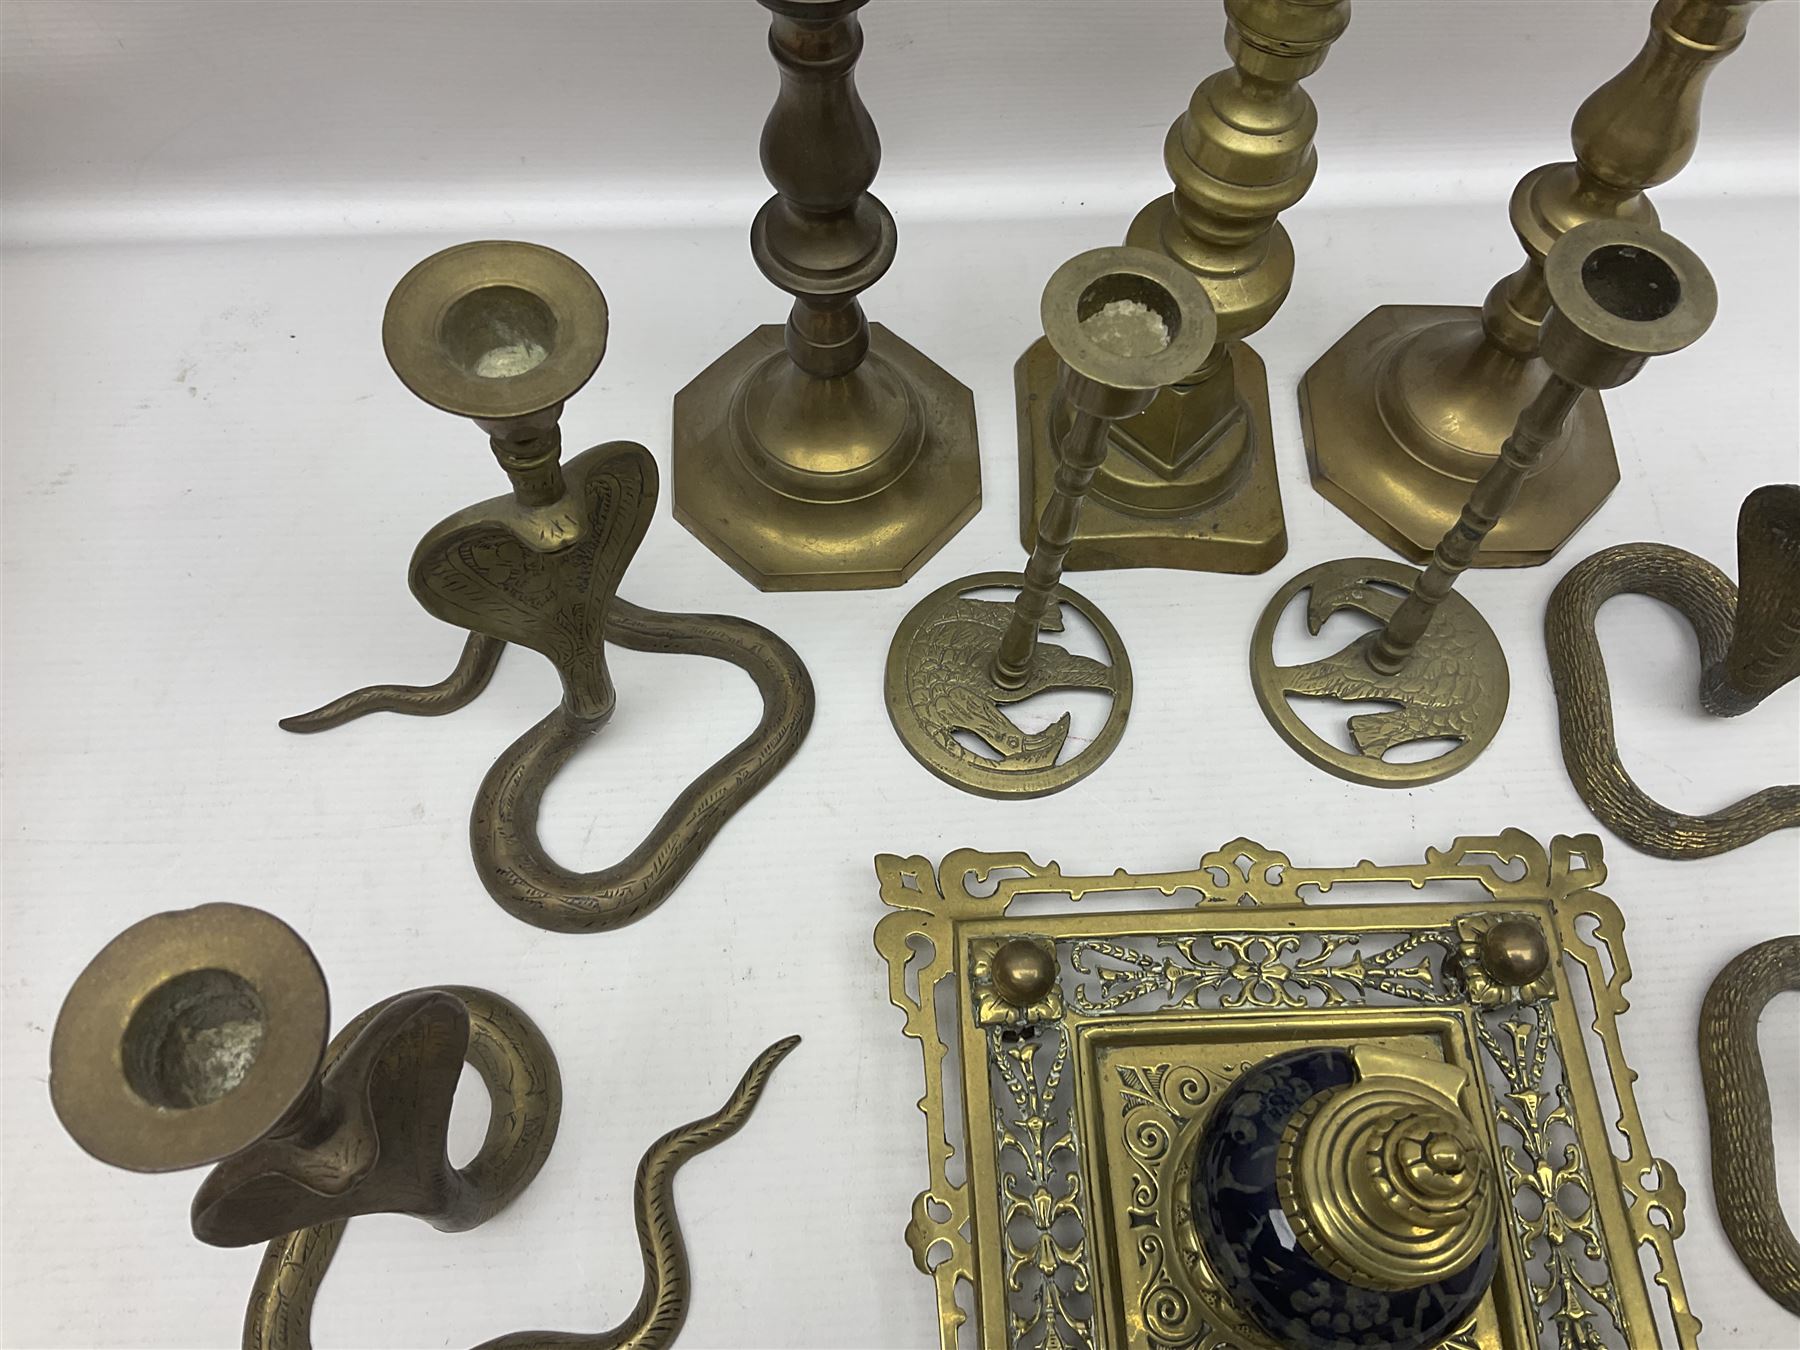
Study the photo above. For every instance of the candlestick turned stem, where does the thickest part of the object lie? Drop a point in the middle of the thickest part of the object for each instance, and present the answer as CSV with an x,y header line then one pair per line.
x,y
1413,404
1620,293
1123,322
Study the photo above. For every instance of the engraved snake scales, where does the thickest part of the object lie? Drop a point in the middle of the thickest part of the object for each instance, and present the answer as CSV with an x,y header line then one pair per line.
x,y
1745,1189
1706,598
281,1302
486,569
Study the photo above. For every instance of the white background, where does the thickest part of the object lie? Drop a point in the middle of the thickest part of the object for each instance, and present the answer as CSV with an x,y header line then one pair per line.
x,y
213,483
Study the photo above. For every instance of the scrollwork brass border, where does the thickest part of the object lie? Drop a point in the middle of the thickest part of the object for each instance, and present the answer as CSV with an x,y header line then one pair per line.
x,y
1553,1130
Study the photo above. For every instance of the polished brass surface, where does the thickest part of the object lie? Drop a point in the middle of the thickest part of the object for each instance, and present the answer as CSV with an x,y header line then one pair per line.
x,y
504,333
829,455
1749,638
1060,1136
1190,481
1386,1180
1620,292
1122,321
199,1037
1412,405
1746,1189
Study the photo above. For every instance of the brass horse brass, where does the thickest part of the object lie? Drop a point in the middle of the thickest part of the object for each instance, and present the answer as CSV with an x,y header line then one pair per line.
x,y
1749,638
1620,294
1122,321
1411,406
830,455
199,1037
503,333
1190,481
1084,1050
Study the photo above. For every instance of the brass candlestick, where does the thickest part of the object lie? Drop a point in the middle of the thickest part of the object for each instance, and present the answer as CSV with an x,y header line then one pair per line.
x,y
1746,1186
1410,406
503,333
1620,293
1122,322
830,455
1749,637
198,1037
1190,481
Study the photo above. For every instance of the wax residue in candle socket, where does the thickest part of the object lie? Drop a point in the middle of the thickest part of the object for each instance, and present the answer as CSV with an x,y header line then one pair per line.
x,y
1128,328
513,359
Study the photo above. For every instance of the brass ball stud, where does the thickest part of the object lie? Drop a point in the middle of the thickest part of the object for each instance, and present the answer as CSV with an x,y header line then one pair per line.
x,y
1023,972
1514,953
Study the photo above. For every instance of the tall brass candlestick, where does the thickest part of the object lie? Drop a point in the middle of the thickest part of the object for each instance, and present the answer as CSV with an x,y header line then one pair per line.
x,y
1190,481
1412,405
829,454
1122,321
1620,292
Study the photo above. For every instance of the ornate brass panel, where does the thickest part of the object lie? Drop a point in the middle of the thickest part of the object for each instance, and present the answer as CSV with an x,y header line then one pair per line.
x,y
1088,1046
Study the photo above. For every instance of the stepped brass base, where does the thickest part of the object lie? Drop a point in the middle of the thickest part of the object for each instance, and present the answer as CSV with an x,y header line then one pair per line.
x,y
1399,423
1203,522
780,541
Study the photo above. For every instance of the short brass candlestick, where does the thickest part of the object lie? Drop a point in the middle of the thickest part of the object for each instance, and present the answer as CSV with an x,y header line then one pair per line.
x,y
828,455
503,333
198,1037
1621,292
1123,322
1410,406
1749,638
1190,481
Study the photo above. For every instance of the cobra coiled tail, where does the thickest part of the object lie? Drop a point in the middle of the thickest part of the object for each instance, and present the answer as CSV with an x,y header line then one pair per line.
x,y
662,1308
1745,1188
512,862
474,668
1706,598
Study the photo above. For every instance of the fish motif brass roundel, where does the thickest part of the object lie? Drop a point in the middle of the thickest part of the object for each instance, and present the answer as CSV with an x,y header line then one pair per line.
x,y
939,684
1452,688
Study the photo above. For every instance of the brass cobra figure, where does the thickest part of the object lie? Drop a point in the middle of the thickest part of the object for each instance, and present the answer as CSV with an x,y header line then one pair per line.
x,y
1745,1188
1620,294
198,1037
1749,637
503,333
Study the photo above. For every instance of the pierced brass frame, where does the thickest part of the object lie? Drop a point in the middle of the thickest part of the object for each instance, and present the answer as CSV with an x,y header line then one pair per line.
x,y
1048,1161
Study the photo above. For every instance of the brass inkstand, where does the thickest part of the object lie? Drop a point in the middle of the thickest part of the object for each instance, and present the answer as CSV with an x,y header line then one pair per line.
x,y
1190,481
1122,322
1266,1114
1749,638
199,1037
503,333
1619,293
1746,1186
828,455
1411,406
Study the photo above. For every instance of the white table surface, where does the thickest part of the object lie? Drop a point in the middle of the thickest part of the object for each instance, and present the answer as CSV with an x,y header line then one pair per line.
x,y
212,483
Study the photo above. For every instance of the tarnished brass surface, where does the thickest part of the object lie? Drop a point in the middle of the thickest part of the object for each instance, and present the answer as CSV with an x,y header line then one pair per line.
x,y
829,455
1122,322
199,1036
1190,481
1620,292
1412,405
1388,1178
1749,640
503,333
1746,1189
287,1283
1061,1130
